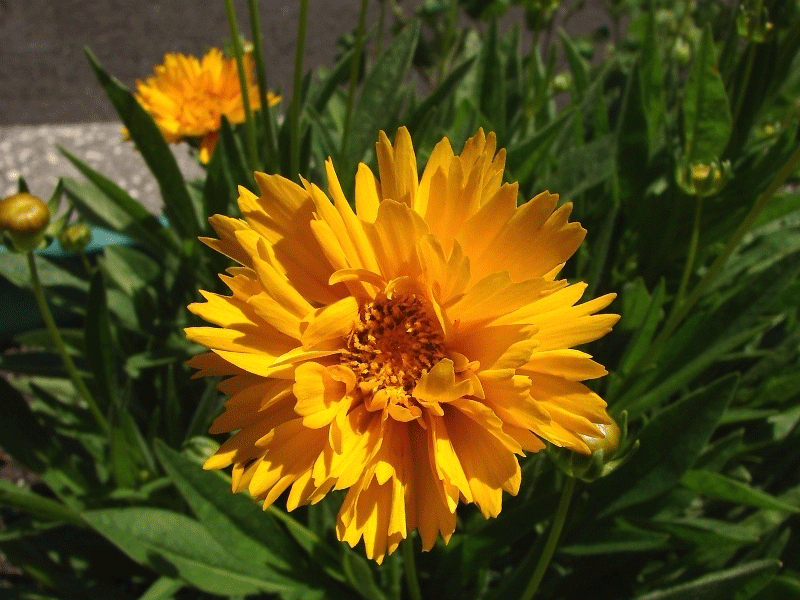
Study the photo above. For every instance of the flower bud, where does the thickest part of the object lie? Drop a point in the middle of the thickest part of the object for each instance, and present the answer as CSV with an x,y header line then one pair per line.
x,y
562,82
682,52
75,237
601,459
752,27
609,443
703,179
23,221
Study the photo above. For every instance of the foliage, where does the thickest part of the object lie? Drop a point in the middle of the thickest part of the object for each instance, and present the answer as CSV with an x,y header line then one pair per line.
x,y
675,146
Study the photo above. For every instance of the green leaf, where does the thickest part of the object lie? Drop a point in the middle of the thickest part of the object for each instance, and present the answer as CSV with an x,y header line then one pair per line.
x,y
490,100
707,118
150,142
704,532
614,540
99,344
129,269
645,329
578,66
720,487
359,575
722,585
651,86
24,499
670,445
523,158
163,588
235,521
584,167
378,94
179,547
122,212
438,96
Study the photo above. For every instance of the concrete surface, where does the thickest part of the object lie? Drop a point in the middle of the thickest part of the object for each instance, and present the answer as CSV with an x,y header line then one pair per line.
x,y
49,96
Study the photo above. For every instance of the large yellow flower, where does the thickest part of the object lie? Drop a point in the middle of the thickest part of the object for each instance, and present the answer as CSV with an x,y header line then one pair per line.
x,y
187,97
408,351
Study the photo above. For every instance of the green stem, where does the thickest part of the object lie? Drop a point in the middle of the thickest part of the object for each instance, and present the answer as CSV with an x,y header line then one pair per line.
x,y
294,134
261,75
677,316
748,68
687,268
410,569
351,88
250,127
552,540
55,336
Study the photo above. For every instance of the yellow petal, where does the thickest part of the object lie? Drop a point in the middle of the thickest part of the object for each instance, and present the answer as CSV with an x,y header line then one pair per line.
x,y
330,322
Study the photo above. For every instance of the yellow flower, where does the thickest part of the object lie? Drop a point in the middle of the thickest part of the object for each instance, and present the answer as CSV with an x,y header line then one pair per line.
x,y
187,97
407,352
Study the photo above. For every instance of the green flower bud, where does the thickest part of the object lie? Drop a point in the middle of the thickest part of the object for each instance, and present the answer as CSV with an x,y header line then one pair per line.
x,y
751,27
75,237
23,222
602,459
703,179
562,82
682,52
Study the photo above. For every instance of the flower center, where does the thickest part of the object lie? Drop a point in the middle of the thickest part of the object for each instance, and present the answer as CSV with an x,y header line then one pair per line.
x,y
392,345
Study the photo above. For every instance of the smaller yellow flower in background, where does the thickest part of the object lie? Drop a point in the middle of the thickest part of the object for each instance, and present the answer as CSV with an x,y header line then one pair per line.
x,y
187,97
408,351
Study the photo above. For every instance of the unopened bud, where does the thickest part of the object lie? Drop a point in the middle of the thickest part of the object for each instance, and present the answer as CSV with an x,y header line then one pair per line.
x,y
602,458
23,221
562,82
75,237
703,179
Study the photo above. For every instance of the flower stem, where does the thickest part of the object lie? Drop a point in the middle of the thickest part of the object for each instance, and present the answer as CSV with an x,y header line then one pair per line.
x,y
261,76
410,569
351,88
55,336
302,25
687,268
250,127
552,540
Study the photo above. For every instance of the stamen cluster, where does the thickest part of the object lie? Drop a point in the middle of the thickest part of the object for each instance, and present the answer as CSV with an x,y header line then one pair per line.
x,y
393,344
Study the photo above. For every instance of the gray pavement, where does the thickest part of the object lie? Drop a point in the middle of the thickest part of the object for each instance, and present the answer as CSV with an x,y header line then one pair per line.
x,y
49,96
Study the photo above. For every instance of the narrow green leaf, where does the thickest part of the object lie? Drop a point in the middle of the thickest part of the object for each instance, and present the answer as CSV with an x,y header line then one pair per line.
x,y
584,167
163,588
523,158
235,521
670,444
219,189
491,101
359,575
651,86
127,215
707,117
144,132
720,487
179,547
644,330
722,585
24,499
99,345
438,96
615,540
578,66
379,92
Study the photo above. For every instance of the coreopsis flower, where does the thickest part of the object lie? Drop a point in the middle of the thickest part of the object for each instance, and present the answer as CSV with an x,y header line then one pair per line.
x,y
408,351
187,97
